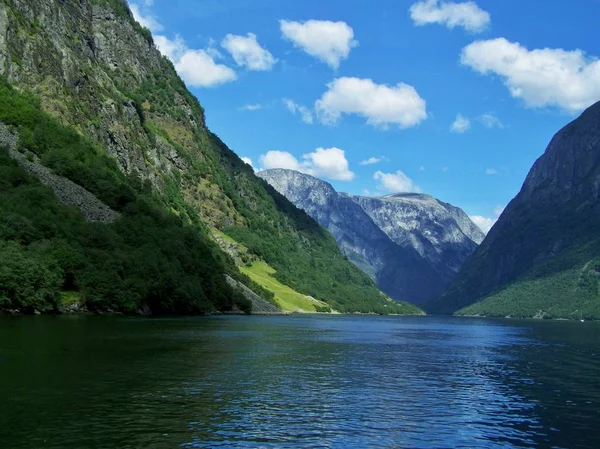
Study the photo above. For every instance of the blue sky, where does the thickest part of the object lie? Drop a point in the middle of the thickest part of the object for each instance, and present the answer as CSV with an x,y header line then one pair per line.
x,y
454,99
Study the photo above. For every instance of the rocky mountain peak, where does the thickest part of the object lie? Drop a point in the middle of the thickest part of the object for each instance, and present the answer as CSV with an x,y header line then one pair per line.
x,y
375,233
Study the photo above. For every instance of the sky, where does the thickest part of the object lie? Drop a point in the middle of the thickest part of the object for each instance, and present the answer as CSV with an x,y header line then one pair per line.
x,y
455,99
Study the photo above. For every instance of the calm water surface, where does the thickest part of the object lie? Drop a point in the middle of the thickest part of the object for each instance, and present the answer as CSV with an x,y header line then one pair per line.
x,y
298,382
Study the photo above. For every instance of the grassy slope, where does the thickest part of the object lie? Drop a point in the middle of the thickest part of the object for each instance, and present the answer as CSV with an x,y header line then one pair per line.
x,y
561,288
287,299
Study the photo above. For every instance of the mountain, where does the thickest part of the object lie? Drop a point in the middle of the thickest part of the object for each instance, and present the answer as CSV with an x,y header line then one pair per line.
x,y
541,259
442,234
411,245
103,120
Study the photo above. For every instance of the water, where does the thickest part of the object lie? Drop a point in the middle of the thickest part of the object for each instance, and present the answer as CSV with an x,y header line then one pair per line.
x,y
306,382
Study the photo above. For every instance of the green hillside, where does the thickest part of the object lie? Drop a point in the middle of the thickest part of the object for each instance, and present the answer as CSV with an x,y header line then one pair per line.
x,y
555,290
115,118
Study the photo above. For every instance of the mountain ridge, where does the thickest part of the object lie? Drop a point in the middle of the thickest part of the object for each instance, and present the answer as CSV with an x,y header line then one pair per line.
x,y
373,243
549,228
92,95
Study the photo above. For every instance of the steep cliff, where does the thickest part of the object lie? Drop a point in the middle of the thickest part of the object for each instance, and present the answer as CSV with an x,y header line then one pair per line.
x,y
540,259
96,70
441,233
411,245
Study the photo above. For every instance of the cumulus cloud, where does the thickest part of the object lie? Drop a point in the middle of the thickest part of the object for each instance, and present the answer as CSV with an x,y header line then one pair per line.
x,y
489,120
143,17
491,171
396,182
380,104
247,52
371,161
305,113
460,125
198,68
486,223
323,162
330,42
467,15
569,80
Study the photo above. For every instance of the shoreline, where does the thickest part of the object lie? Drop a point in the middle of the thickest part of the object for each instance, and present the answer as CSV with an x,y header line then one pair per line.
x,y
19,313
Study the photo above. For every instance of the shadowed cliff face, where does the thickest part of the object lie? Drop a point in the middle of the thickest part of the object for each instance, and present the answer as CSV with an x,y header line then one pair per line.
x,y
411,245
557,209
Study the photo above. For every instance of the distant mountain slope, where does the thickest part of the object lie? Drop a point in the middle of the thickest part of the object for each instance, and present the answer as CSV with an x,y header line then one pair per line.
x,y
412,245
541,257
90,66
441,233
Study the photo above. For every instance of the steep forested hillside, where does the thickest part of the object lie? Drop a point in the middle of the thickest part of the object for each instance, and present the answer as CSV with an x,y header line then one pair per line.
x,y
541,258
136,138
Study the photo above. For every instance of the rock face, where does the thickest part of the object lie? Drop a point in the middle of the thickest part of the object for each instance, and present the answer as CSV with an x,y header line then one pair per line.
x,y
411,245
441,233
93,68
66,191
556,211
259,305
87,62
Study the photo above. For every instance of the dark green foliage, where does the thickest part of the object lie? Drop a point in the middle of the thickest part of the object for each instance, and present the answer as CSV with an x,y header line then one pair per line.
x,y
304,255
148,258
214,187
29,279
322,309
564,287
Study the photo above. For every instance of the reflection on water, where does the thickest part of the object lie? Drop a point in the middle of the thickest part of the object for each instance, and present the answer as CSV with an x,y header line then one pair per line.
x,y
307,381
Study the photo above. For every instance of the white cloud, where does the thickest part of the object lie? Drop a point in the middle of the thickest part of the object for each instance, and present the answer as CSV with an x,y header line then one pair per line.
x,y
491,171
247,52
171,48
330,42
144,18
251,107
486,223
568,80
461,124
371,161
197,67
305,113
279,159
380,104
396,182
490,121
467,15
323,162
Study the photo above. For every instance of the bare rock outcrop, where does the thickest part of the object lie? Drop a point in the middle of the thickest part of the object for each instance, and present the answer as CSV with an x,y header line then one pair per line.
x,y
66,191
